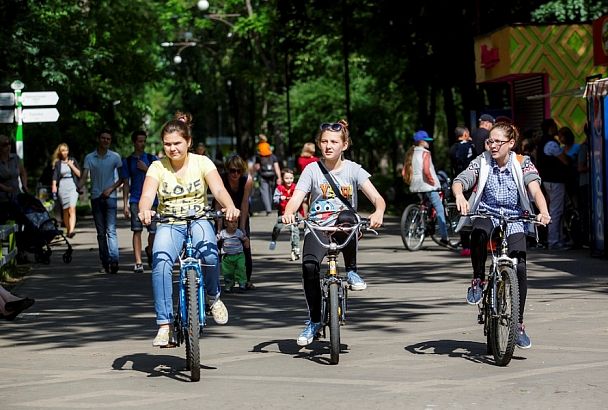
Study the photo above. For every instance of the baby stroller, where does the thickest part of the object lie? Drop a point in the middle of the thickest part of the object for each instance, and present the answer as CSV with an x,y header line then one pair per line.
x,y
38,231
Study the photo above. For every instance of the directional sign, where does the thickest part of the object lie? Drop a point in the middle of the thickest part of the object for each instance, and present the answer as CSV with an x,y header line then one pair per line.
x,y
7,116
40,115
7,99
36,98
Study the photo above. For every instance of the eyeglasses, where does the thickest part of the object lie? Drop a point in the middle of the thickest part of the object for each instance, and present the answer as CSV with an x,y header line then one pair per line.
x,y
235,171
334,126
496,142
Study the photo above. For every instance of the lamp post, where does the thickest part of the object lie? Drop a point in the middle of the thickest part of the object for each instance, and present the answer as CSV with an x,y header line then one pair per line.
x,y
182,45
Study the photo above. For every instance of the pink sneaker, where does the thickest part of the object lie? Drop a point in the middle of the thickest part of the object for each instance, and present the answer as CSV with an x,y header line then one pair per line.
x,y
465,252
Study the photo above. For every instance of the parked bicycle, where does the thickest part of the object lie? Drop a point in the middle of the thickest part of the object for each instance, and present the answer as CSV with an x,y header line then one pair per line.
x,y
191,309
420,220
334,286
499,307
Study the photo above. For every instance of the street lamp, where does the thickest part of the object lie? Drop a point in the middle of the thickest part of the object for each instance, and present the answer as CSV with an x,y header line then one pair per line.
x,y
182,45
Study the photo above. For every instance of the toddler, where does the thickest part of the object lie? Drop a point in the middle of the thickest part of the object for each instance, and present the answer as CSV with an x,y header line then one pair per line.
x,y
233,260
282,195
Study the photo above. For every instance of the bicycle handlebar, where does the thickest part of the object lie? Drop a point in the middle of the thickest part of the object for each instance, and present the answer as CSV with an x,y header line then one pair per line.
x,y
361,225
208,213
525,217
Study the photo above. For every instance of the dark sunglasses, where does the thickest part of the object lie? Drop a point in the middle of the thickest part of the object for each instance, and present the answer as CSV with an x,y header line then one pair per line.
x,y
235,171
334,126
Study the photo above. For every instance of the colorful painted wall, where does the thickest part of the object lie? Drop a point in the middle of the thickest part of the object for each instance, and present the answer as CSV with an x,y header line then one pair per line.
x,y
564,53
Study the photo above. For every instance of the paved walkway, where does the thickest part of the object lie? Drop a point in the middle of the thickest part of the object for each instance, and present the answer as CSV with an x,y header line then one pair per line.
x,y
410,342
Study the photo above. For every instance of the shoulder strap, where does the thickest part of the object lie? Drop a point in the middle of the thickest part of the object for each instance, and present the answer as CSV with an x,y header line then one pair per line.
x,y
331,181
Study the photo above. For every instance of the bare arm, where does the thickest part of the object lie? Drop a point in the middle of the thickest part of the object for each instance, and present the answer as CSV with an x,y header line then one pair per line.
x,y
426,168
214,181
539,199
146,200
370,191
245,203
125,198
23,176
292,206
277,171
83,177
461,202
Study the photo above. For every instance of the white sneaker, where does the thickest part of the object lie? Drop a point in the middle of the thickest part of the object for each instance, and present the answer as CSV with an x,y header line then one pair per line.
x,y
219,312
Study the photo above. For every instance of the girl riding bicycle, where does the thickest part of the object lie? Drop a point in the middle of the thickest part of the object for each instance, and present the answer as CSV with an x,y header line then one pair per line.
x,y
325,205
181,179
499,179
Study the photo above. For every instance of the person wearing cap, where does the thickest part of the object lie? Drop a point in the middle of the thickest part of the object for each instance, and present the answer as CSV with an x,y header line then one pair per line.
x,y
481,134
424,179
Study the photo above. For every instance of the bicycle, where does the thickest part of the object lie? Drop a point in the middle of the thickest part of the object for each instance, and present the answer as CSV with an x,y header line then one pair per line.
x,y
191,312
420,220
334,287
499,307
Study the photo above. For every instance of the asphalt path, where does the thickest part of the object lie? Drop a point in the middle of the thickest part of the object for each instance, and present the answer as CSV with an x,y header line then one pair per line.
x,y
410,340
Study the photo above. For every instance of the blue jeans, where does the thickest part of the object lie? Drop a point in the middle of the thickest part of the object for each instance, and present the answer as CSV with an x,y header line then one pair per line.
x,y
435,199
104,215
167,245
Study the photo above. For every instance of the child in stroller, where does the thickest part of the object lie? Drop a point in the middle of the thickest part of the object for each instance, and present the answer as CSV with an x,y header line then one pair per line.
x,y
38,231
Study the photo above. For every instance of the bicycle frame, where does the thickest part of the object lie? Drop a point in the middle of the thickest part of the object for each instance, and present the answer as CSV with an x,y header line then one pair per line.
x,y
187,261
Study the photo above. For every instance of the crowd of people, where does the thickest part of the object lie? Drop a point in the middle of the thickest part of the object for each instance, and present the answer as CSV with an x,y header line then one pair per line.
x,y
494,169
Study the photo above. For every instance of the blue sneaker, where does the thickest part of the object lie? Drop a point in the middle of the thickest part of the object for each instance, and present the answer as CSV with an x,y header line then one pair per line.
x,y
355,282
309,333
522,341
475,292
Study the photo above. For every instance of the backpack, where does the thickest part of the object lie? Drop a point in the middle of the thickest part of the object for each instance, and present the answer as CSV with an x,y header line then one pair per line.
x,y
406,172
130,160
267,167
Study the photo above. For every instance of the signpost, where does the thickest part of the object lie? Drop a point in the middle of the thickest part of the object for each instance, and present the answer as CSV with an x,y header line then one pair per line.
x,y
28,115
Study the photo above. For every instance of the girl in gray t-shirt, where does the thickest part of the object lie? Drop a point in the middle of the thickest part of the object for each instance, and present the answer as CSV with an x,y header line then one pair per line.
x,y
349,177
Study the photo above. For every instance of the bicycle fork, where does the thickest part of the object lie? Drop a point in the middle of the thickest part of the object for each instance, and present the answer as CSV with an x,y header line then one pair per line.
x,y
330,278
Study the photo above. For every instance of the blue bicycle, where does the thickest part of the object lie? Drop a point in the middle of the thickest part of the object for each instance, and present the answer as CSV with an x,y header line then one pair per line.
x,y
191,312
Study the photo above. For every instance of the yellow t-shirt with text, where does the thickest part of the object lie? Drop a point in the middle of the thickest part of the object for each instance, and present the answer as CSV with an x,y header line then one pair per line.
x,y
181,196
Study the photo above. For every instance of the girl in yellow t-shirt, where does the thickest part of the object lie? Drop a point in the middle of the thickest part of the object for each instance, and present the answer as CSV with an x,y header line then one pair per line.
x,y
180,179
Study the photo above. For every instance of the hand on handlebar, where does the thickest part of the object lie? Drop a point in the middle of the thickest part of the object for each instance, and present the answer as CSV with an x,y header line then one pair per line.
x,y
146,216
231,213
543,219
376,219
288,218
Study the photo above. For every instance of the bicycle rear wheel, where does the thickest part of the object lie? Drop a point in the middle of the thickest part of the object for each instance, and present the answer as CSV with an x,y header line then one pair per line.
x,y
193,358
503,326
334,323
412,227
452,217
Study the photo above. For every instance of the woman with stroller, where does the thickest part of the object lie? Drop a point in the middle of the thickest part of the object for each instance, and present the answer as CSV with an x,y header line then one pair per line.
x,y
64,187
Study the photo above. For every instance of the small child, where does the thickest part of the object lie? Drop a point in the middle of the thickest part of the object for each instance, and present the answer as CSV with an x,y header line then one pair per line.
x,y
233,260
282,195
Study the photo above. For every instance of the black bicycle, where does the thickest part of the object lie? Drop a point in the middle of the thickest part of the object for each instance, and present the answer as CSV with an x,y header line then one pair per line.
x,y
334,286
420,220
499,308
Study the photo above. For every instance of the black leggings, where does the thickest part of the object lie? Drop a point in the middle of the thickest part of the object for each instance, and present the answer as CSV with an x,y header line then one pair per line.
x,y
517,249
312,256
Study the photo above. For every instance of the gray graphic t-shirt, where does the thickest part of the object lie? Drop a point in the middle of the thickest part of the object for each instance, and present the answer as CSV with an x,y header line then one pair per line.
x,y
324,205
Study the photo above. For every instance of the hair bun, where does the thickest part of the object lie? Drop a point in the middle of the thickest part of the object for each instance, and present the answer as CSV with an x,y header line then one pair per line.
x,y
184,117
344,123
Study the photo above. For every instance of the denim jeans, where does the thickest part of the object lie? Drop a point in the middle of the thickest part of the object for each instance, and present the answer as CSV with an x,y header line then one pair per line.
x,y
167,245
435,199
104,215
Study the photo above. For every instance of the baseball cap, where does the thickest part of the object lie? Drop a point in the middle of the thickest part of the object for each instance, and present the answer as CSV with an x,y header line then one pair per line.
x,y
422,135
487,117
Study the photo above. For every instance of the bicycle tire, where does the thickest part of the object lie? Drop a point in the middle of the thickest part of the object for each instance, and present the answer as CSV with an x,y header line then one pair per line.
x,y
334,323
193,358
452,217
412,227
503,326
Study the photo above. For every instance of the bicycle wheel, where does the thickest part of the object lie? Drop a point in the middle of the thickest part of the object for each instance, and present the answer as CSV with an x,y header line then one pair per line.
x,y
412,227
503,327
193,358
334,323
452,216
